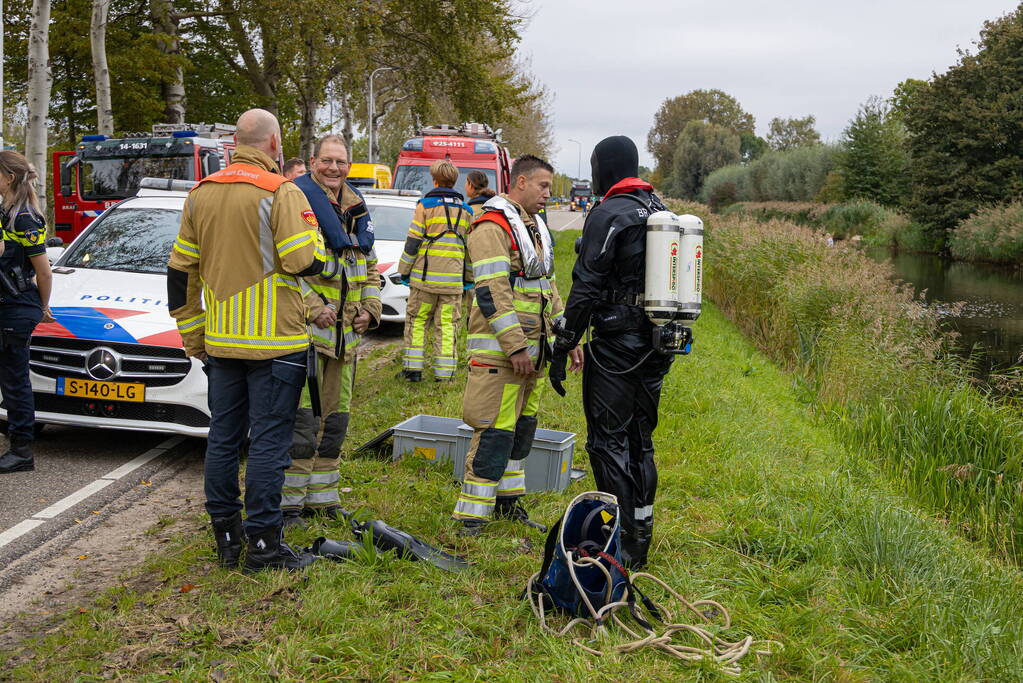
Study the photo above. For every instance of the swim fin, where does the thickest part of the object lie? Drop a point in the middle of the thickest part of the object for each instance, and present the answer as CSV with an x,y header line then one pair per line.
x,y
386,537
333,550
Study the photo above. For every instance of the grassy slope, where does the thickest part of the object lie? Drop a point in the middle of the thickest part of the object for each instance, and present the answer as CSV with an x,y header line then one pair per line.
x,y
759,507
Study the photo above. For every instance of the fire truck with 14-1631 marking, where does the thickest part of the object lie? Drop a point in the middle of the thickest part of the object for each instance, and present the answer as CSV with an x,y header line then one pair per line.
x,y
102,171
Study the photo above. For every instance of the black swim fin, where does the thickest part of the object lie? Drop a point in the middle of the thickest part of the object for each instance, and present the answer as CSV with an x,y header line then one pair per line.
x,y
386,537
338,551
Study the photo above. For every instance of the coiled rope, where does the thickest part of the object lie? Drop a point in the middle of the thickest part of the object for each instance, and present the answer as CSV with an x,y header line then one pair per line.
x,y
725,653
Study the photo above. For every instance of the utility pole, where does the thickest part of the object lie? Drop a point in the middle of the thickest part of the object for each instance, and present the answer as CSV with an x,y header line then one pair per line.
x,y
371,107
578,160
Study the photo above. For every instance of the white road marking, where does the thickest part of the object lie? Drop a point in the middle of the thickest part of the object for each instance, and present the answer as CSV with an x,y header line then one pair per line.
x,y
19,529
74,499
571,222
39,518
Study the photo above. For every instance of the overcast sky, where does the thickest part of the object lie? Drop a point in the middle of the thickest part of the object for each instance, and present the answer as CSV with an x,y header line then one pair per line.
x,y
610,63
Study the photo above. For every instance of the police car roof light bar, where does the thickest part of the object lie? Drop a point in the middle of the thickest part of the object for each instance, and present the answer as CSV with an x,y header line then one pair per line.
x,y
167,184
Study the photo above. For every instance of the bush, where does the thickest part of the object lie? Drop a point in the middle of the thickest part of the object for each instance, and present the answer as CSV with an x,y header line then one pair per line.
x,y
795,175
993,234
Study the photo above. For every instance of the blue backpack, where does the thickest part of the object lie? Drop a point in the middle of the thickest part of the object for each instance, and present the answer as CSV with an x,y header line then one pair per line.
x,y
588,533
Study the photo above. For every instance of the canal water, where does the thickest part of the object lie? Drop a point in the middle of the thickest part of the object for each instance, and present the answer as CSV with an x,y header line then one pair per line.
x,y
991,318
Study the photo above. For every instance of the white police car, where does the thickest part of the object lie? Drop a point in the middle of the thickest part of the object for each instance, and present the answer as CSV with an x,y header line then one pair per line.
x,y
114,357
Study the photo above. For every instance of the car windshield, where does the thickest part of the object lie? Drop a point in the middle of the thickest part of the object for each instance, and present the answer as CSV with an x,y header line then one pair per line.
x,y
418,178
119,177
390,222
126,239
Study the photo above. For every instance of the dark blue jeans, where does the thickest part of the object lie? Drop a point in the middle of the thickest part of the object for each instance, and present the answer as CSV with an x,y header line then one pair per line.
x,y
260,398
16,388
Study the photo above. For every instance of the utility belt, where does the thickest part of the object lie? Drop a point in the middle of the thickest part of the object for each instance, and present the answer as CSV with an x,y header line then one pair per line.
x,y
12,283
614,318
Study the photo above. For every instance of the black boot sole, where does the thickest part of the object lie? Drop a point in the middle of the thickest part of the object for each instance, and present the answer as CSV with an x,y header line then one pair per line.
x,y
28,467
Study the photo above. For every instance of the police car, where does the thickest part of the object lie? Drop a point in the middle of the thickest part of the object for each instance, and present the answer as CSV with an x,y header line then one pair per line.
x,y
114,358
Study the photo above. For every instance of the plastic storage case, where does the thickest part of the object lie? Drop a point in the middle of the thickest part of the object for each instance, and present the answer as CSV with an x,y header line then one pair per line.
x,y
548,466
432,438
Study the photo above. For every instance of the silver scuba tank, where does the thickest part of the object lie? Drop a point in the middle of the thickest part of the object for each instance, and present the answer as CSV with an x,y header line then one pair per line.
x,y
663,247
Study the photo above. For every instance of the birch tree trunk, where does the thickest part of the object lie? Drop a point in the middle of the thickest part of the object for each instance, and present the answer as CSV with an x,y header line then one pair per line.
x,y
39,81
172,91
98,37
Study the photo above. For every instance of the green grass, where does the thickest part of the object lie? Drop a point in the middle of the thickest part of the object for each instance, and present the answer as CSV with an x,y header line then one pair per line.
x,y
760,507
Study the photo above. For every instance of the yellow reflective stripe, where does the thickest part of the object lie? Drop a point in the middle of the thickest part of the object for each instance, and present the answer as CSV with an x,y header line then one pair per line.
x,y
506,417
532,405
419,325
447,344
185,247
328,291
527,306
193,323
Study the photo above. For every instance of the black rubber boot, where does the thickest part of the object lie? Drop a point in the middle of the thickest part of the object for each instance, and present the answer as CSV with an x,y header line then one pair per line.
x,y
18,458
412,375
268,551
293,519
472,528
635,545
510,508
230,536
330,513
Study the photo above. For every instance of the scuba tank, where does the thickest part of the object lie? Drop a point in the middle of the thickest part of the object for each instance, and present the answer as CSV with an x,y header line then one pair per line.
x,y
674,278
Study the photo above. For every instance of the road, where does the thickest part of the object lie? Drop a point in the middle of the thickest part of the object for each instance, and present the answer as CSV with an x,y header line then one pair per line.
x,y
560,219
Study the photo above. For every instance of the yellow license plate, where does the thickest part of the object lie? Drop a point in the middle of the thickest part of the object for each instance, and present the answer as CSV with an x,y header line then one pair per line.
x,y
104,391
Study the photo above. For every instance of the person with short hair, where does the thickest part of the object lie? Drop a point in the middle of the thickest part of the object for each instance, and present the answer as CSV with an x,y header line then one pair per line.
x,y
25,281
435,269
311,483
235,285
293,168
511,329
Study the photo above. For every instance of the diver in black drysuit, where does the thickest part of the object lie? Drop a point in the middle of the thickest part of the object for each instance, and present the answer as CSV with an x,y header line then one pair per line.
x,y
623,373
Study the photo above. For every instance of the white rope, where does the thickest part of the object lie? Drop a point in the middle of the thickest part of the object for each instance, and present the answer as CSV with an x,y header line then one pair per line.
x,y
725,653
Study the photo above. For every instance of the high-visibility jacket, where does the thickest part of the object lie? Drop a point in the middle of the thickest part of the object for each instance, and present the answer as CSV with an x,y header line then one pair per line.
x,y
509,312
434,256
247,236
357,290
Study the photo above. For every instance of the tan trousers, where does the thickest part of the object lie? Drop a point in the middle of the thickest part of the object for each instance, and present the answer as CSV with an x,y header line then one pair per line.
x,y
501,408
312,482
442,312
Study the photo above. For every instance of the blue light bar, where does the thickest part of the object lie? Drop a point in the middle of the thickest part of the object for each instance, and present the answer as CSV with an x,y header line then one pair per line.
x,y
184,134
94,138
413,145
484,148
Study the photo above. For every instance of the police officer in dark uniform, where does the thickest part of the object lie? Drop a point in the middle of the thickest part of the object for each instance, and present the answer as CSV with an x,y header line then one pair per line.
x,y
24,300
623,374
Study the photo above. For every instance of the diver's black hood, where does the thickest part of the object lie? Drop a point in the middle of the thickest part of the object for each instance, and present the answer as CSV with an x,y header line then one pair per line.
x,y
613,159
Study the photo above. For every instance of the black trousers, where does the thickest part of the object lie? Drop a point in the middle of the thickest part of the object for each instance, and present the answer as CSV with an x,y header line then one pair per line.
x,y
16,386
621,414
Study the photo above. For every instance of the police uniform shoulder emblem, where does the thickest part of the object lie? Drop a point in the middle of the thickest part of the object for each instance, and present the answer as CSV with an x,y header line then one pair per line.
x,y
310,218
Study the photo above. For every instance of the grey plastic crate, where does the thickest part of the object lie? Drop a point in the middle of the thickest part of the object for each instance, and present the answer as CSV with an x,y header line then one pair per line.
x,y
548,466
432,438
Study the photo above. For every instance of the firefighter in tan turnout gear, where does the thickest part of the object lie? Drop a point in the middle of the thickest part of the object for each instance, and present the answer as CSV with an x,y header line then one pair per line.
x,y
510,334
434,267
247,238
351,305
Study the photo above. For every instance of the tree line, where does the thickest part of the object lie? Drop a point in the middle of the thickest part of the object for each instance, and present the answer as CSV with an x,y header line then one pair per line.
x,y
938,150
75,67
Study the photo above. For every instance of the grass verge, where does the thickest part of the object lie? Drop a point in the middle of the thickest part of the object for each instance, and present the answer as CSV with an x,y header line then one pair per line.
x,y
760,507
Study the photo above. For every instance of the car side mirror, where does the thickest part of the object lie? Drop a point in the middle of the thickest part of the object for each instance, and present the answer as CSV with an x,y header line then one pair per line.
x,y
54,242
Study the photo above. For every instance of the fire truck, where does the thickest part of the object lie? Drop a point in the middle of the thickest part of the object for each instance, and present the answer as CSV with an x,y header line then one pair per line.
x,y
581,195
470,147
102,171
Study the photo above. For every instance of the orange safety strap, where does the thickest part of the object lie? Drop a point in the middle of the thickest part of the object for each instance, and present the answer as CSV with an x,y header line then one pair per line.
x,y
246,173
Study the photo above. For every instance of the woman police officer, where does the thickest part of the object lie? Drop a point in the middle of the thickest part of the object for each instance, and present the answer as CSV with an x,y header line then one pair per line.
x,y
25,281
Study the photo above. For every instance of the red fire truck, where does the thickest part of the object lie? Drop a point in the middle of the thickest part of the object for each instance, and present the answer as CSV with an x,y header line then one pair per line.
x,y
102,171
470,147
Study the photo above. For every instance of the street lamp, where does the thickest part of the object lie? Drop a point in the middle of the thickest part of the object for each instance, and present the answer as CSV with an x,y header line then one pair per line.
x,y
578,160
371,106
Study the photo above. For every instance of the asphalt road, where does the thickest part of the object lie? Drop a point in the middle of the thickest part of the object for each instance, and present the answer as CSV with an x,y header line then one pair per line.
x,y
558,219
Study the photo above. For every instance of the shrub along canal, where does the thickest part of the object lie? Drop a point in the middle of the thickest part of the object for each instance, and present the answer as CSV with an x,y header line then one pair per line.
x,y
990,319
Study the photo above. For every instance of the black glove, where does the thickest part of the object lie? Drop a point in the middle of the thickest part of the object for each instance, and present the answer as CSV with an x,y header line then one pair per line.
x,y
557,371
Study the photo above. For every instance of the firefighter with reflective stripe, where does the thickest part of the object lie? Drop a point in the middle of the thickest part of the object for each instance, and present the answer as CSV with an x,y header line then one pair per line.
x,y
247,238
510,331
434,267
311,483
25,280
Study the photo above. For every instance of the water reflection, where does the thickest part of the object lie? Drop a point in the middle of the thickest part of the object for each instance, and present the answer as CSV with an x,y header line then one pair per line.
x,y
991,317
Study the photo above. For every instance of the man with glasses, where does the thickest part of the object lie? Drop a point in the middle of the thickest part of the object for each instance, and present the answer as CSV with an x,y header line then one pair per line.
x,y
343,310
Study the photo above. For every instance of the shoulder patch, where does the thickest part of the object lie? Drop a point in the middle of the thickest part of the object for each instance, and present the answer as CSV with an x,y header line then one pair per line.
x,y
310,218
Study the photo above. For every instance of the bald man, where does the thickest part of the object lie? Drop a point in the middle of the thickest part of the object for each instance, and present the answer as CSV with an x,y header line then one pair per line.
x,y
247,238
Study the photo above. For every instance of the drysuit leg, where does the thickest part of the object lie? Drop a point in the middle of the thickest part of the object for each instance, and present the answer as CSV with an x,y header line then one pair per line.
x,y
621,414
445,338
418,313
492,405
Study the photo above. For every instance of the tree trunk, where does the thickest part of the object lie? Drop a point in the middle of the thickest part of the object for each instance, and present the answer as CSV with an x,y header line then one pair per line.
x,y
39,81
308,100
172,91
348,117
98,36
